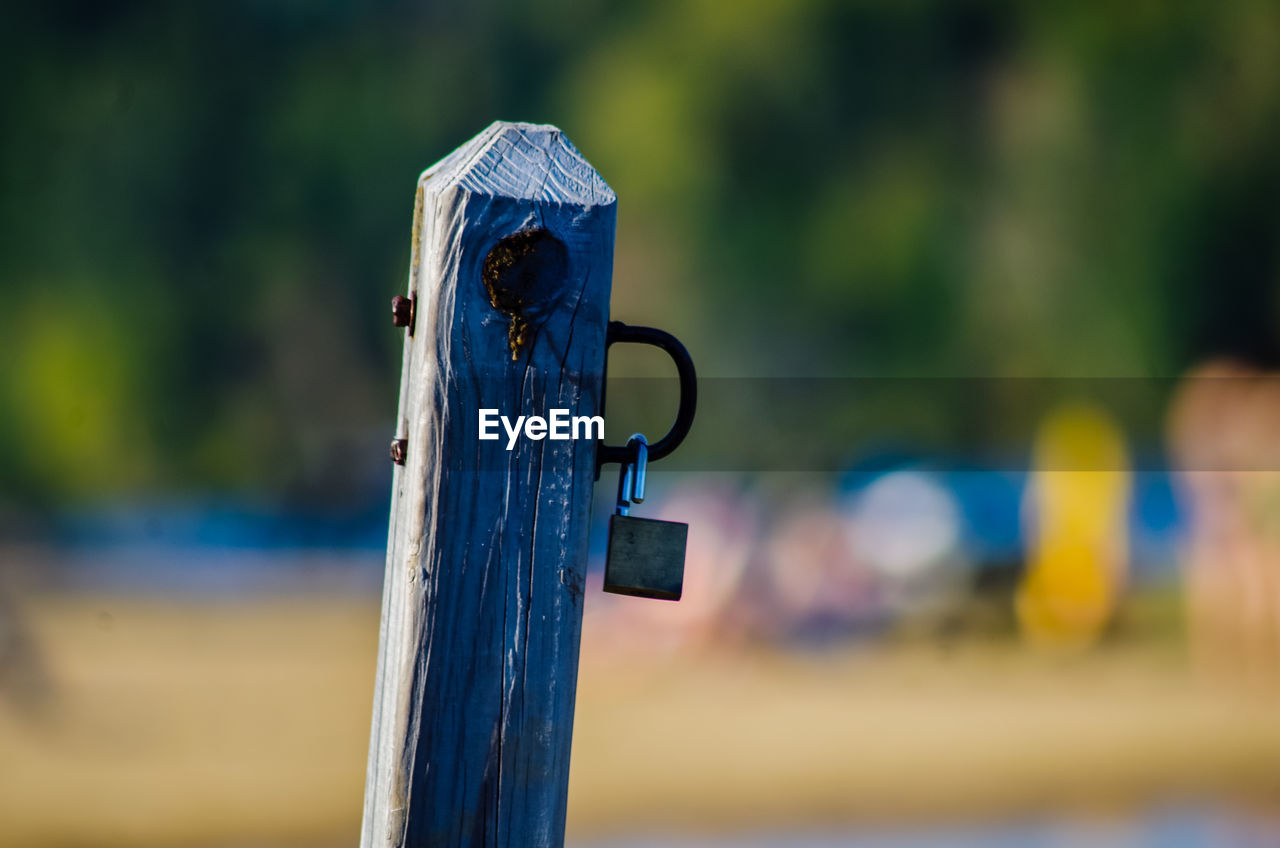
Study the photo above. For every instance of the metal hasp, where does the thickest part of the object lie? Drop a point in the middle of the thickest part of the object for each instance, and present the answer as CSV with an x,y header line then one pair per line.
x,y
645,556
510,272
688,376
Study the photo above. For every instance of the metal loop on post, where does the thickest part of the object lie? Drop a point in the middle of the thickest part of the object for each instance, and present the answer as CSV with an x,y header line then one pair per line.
x,y
626,333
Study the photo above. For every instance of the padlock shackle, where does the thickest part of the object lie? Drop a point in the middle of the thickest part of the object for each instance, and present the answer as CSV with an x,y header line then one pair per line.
x,y
630,334
632,474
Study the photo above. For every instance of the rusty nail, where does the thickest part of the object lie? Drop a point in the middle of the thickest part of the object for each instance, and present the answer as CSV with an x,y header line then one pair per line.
x,y
398,449
402,312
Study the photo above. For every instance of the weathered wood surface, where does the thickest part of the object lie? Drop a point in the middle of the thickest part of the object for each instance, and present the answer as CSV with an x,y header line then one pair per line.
x,y
482,601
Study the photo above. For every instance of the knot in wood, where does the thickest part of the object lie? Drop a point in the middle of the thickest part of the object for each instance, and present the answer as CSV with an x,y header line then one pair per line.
x,y
522,274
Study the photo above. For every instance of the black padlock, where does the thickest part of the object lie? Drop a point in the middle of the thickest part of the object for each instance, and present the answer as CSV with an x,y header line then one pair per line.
x,y
645,556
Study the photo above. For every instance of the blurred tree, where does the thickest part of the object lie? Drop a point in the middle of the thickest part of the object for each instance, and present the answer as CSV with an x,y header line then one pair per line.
x,y
206,206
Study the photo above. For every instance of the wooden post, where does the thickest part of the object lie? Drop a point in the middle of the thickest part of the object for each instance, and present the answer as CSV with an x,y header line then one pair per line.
x,y
482,603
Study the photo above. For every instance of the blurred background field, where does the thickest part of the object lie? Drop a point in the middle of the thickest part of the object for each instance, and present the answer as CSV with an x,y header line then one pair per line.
x,y
985,490
231,722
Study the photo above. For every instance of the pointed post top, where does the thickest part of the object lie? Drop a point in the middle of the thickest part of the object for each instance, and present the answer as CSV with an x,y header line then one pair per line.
x,y
522,161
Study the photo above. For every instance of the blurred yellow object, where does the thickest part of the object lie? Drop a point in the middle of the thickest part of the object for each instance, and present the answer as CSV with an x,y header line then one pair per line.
x,y
1078,550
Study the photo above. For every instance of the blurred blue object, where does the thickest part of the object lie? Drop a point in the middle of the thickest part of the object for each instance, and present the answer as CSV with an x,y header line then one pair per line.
x,y
991,508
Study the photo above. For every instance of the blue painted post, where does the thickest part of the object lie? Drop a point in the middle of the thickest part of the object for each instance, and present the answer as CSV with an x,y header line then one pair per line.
x,y
482,602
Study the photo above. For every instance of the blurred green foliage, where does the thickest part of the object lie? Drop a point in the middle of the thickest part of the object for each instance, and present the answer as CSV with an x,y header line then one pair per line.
x,y
206,205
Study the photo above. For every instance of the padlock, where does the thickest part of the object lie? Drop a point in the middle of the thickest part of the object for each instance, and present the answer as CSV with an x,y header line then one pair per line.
x,y
645,556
